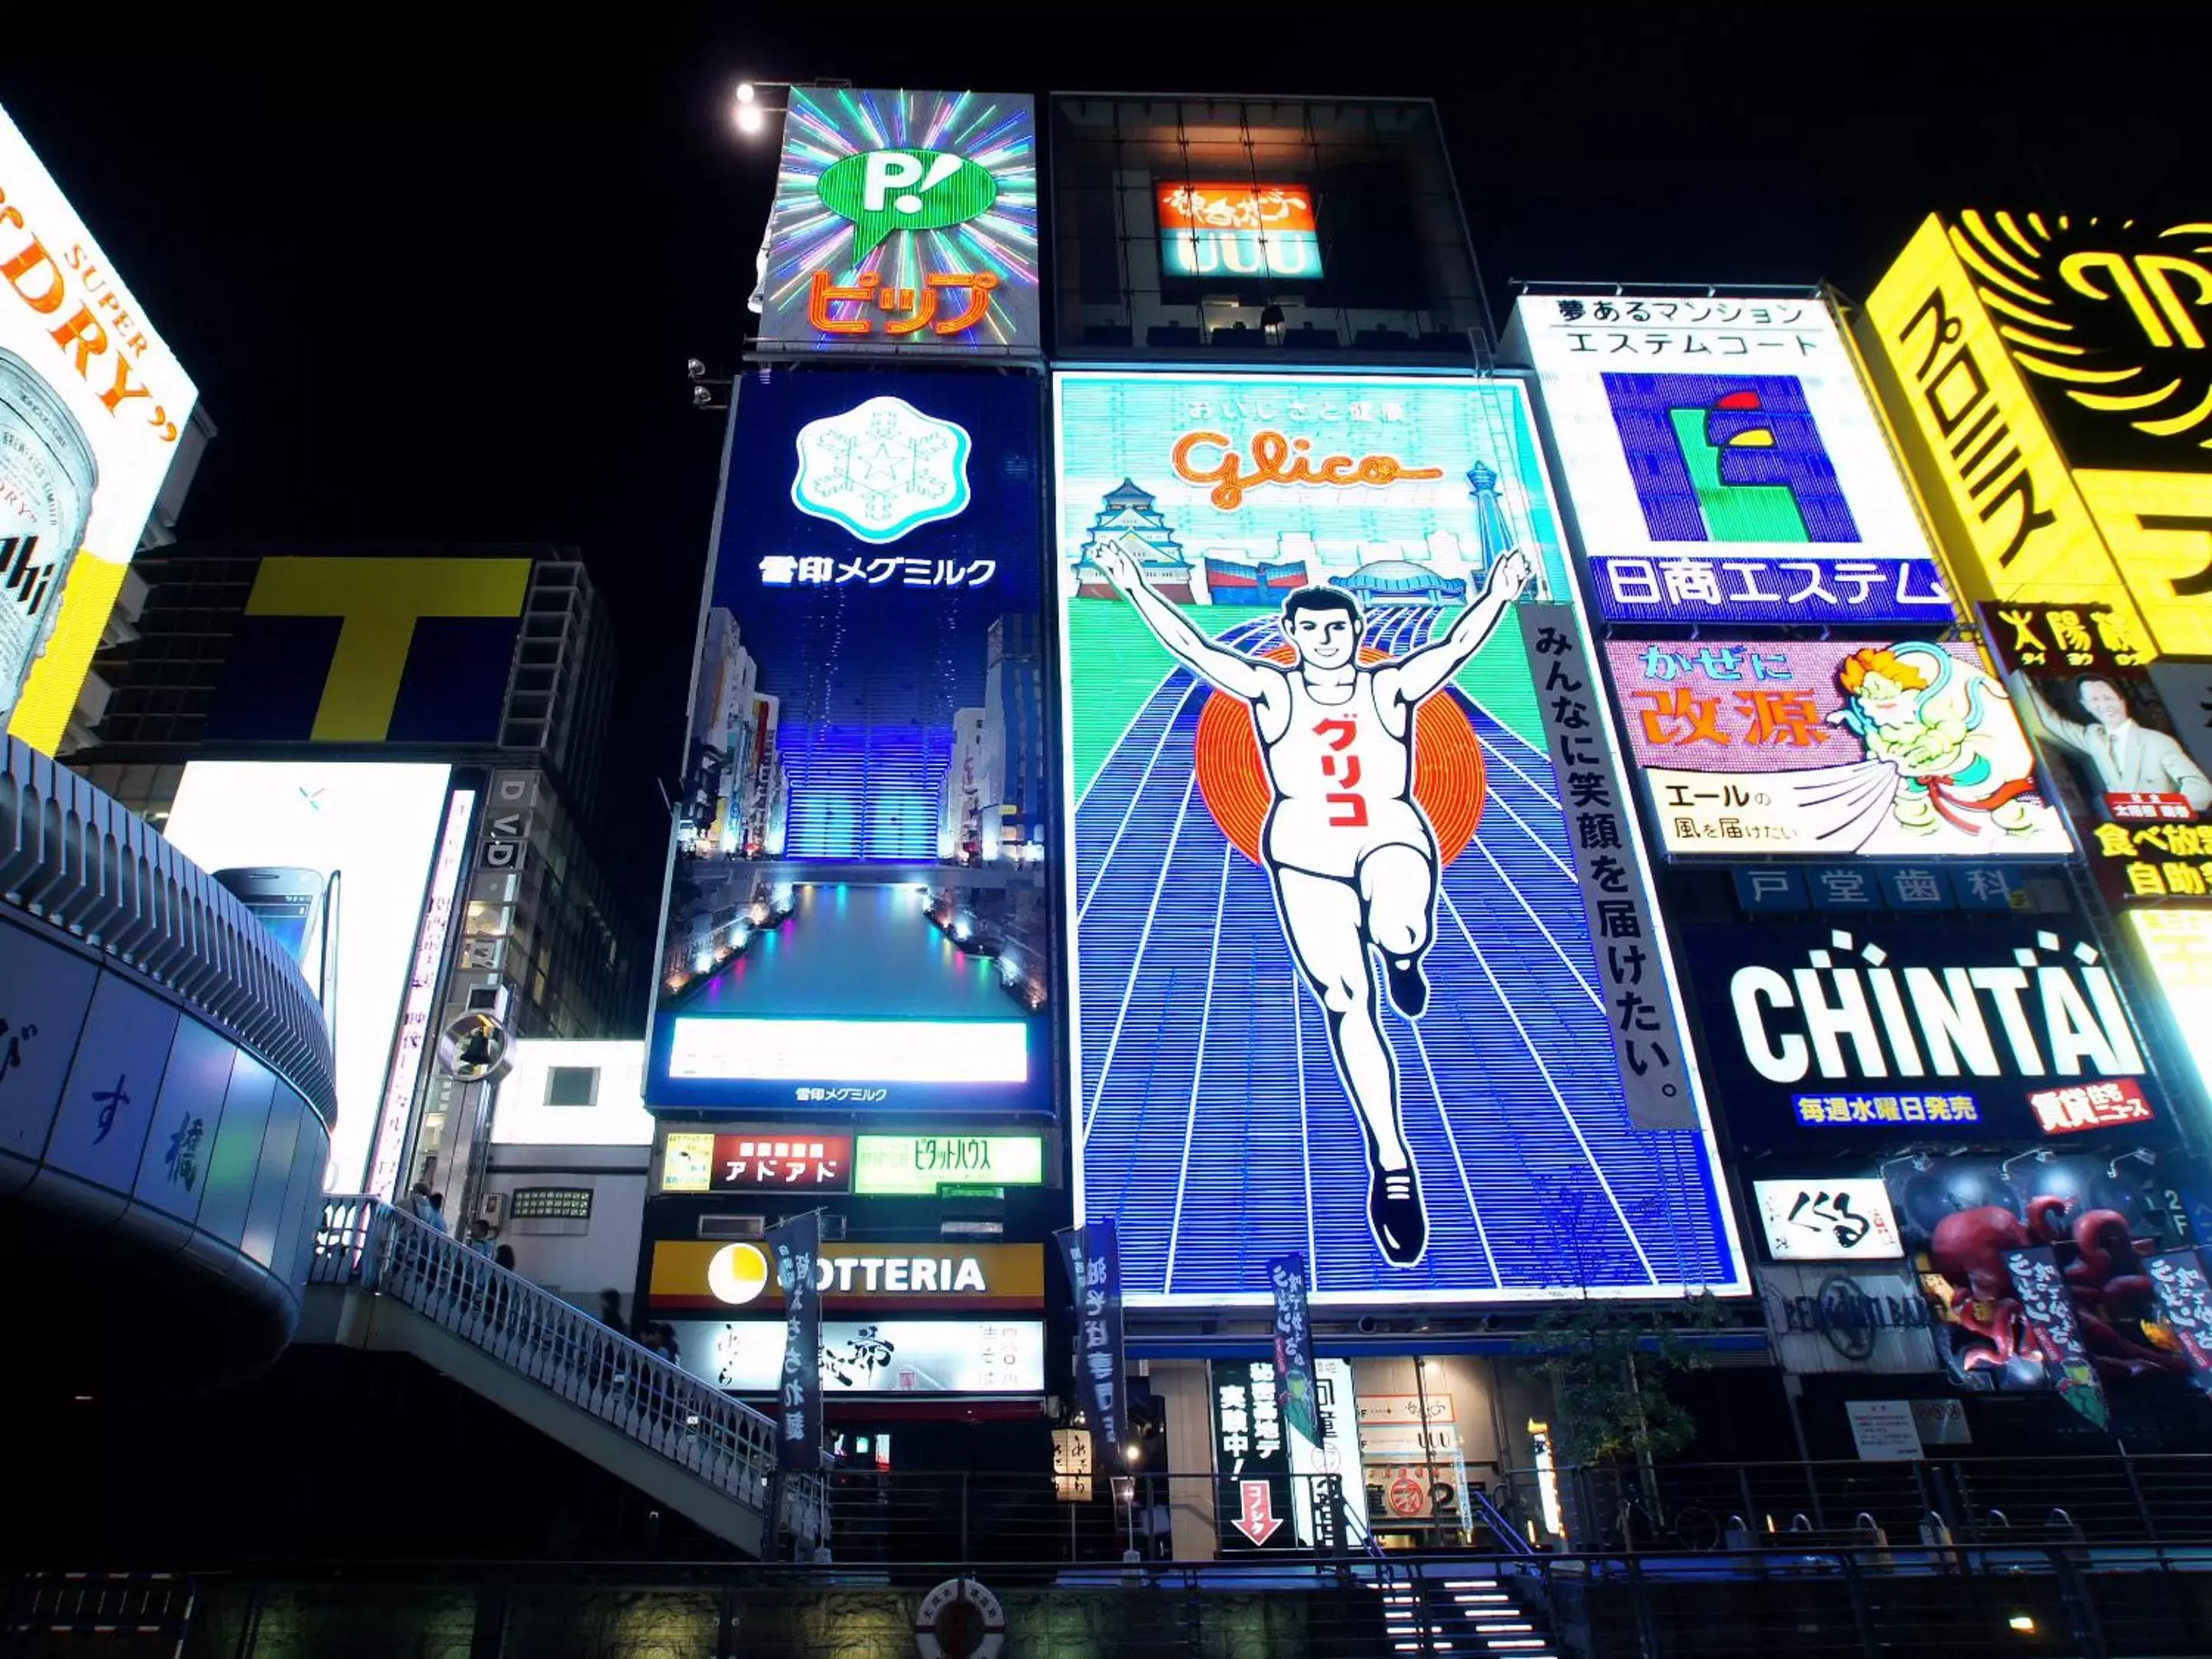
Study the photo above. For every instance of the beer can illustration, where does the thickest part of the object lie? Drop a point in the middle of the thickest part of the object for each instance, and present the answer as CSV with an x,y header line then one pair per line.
x,y
47,475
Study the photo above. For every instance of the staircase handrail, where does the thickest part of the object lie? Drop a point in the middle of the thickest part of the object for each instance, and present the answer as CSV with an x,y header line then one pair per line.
x,y
369,1244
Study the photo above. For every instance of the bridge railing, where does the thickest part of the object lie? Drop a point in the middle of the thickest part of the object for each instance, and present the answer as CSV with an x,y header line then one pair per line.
x,y
537,1336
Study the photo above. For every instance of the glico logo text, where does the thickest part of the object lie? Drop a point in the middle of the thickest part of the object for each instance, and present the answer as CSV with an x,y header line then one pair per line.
x,y
2053,1012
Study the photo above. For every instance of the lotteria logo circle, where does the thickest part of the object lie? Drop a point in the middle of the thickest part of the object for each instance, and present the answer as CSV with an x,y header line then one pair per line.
x,y
881,190
737,1274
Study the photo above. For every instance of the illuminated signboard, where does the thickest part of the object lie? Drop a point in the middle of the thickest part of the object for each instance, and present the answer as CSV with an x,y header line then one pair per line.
x,y
1827,1219
370,649
2177,944
696,1274
903,221
911,1356
858,916
1887,1030
1725,465
93,411
893,1164
764,1160
1237,230
2135,792
374,825
1899,747
1426,863
2016,346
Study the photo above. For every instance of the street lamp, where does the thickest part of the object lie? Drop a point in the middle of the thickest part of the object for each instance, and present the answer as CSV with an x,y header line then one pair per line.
x,y
751,110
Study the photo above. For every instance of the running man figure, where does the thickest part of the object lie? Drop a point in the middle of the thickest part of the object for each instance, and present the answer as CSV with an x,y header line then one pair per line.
x,y
1350,853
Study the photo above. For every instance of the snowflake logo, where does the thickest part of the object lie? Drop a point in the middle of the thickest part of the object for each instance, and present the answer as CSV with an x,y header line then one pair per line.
x,y
881,468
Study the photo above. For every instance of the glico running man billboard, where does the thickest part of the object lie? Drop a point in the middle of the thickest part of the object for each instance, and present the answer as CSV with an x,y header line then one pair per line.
x,y
857,915
1336,987
93,408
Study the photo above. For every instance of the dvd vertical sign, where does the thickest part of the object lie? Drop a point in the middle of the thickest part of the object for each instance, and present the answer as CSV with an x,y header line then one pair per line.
x,y
1094,1271
797,1244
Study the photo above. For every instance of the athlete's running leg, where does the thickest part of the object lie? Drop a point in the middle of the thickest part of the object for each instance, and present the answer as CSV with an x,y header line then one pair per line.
x,y
1323,919
1399,884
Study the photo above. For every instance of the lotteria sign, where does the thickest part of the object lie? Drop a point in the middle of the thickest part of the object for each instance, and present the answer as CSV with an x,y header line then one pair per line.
x,y
1847,1037
702,1273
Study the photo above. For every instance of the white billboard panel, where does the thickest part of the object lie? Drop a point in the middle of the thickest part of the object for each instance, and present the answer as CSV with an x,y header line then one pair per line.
x,y
374,825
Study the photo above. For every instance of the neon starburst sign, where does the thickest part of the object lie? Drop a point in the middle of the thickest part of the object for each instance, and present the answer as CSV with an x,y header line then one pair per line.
x,y
904,221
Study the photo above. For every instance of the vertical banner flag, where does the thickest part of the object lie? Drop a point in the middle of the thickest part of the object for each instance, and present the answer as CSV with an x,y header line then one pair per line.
x,y
1294,1368
1094,1272
2046,1316
797,1244
2184,1308
1615,894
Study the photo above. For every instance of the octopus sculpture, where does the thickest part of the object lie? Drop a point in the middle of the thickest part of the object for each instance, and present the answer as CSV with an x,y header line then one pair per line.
x,y
2102,1264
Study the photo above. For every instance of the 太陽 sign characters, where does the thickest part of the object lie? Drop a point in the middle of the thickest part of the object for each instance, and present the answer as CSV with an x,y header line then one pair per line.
x,y
903,222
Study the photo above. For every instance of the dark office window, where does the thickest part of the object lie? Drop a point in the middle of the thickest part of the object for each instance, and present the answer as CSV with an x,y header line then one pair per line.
x,y
572,1086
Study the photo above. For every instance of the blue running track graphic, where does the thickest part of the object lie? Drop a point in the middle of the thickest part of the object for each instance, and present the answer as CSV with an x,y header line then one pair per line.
x,y
1213,1124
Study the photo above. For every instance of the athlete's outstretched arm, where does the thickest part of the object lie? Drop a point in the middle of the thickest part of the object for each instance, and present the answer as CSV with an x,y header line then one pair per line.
x,y
1420,673
1233,671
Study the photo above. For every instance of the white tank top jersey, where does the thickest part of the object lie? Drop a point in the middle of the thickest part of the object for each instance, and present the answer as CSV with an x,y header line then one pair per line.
x,y
1343,783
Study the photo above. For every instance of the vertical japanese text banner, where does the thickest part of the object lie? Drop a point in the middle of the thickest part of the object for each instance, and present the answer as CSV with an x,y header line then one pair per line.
x,y
2046,1313
1294,1368
1616,901
2185,1307
797,1244
1094,1273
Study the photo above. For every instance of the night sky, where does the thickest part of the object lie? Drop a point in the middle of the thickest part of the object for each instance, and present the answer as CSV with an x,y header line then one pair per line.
x,y
441,285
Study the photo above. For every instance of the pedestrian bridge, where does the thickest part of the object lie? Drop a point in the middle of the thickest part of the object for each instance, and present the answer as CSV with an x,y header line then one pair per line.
x,y
382,1280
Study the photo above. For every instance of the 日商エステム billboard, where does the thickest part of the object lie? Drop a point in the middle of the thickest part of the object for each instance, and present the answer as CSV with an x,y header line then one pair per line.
x,y
857,917
1336,987
1725,465
91,410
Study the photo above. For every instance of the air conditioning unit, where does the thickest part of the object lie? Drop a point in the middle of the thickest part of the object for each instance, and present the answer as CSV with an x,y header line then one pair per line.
x,y
732,1226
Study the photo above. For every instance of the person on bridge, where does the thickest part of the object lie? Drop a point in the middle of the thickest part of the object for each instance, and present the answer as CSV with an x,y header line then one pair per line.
x,y
1350,854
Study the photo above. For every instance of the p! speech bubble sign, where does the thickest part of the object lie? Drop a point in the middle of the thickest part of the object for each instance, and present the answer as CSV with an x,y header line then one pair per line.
x,y
882,190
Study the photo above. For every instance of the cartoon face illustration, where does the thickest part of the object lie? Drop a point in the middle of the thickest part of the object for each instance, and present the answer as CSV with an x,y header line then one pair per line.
x,y
1322,627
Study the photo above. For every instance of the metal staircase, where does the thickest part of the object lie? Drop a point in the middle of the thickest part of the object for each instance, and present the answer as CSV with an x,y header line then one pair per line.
x,y
382,1280
1447,1608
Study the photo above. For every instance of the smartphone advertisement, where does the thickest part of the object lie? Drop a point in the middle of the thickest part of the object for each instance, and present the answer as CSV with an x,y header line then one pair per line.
x,y
275,833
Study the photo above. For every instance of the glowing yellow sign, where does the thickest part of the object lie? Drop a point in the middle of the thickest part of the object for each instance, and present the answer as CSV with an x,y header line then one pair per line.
x,y
2177,944
1986,462
2159,528
2016,349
